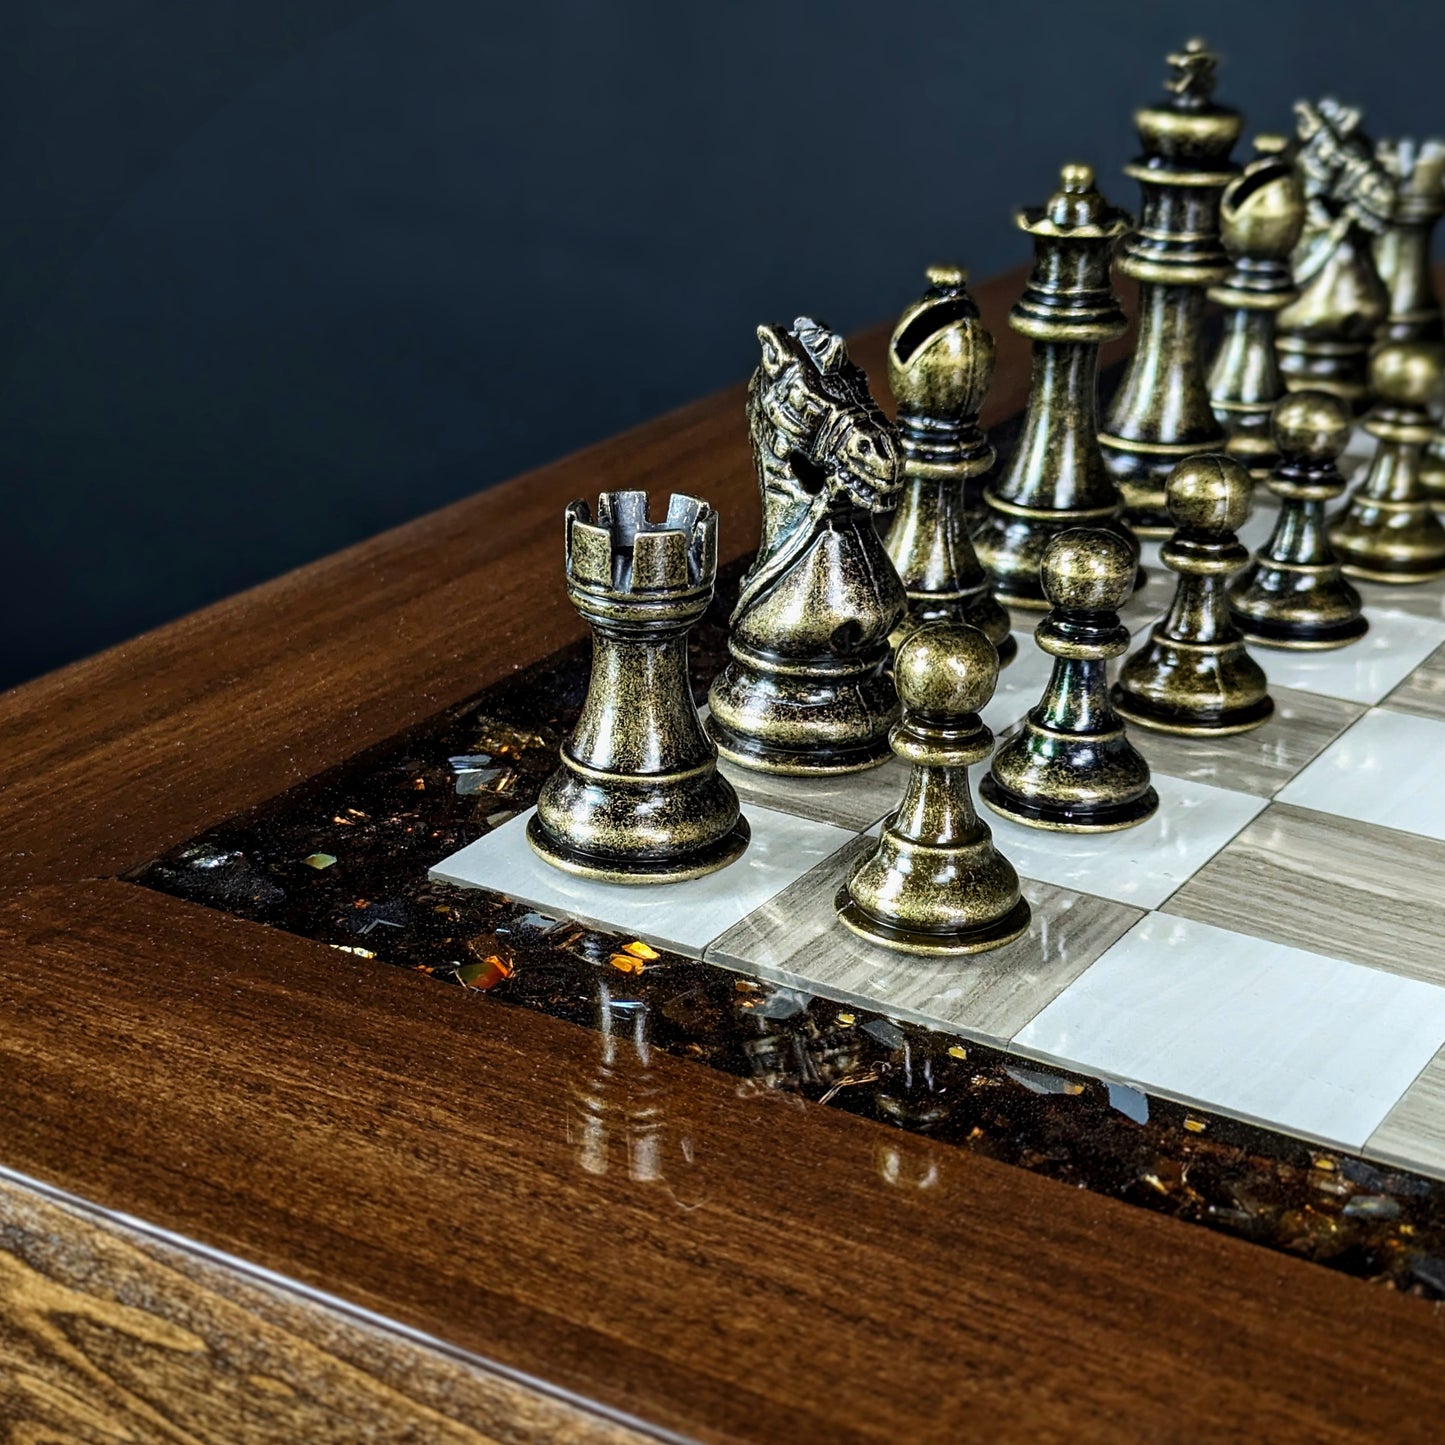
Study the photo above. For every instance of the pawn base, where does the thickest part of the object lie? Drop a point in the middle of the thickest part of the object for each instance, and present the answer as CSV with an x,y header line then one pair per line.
x,y
608,869
1137,709
1299,636
1402,574
1014,924
1110,818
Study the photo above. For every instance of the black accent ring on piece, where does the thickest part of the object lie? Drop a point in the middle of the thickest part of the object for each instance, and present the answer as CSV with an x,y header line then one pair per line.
x,y
1106,819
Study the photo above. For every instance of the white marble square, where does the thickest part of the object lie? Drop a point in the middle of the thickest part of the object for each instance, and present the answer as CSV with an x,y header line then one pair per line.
x,y
1141,865
1365,671
1388,769
684,917
1259,1030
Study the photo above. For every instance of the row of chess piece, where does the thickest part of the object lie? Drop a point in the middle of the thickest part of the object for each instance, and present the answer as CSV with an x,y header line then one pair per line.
x,y
843,621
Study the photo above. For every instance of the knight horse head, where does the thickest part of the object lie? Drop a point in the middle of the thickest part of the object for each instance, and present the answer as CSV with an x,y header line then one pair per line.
x,y
815,427
805,689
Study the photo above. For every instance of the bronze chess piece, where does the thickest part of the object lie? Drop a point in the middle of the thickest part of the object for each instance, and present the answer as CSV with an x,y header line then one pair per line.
x,y
1161,412
1325,335
1402,254
806,689
1056,478
1294,595
1193,675
1388,531
1070,766
936,883
638,798
1432,467
1402,249
1261,215
940,364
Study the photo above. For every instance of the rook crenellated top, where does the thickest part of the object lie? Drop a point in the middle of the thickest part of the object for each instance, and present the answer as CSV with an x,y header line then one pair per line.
x,y
624,554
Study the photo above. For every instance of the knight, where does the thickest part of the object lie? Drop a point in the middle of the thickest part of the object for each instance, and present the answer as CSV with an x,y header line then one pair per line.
x,y
806,689
1324,337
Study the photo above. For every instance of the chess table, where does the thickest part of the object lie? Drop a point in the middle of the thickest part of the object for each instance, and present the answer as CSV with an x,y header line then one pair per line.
x,y
331,1116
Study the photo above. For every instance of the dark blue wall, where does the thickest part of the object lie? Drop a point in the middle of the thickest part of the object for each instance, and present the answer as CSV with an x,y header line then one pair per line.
x,y
276,276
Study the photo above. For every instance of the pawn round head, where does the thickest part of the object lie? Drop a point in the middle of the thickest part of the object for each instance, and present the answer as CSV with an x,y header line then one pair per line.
x,y
945,669
1087,570
1311,428
1406,373
1208,494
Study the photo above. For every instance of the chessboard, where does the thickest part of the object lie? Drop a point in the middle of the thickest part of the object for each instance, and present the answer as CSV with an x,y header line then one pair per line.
x,y
1266,948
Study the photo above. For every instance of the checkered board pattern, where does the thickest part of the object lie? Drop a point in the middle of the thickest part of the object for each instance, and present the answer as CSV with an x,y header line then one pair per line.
x,y
1270,946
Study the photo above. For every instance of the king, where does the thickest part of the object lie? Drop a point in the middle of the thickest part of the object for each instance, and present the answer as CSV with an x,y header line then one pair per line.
x,y
806,689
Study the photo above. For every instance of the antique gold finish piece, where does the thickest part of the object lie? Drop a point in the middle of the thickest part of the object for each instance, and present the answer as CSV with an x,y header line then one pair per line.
x,y
1193,675
1161,412
638,797
940,364
1388,531
1261,214
1432,468
1056,479
1069,766
1402,254
1294,595
1402,249
936,883
1325,336
806,689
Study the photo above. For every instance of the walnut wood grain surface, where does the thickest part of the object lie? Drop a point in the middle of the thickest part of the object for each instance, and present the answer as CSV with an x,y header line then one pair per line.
x,y
360,1129
108,1334
405,1148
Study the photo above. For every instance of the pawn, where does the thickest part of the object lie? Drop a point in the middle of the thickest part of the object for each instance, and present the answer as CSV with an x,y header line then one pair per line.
x,y
1193,674
1070,767
936,883
940,364
1294,595
1388,531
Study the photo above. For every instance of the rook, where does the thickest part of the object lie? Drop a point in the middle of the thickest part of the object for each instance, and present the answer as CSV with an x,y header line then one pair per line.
x,y
638,798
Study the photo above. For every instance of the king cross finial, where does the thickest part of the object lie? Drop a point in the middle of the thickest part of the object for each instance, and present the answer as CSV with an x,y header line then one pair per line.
x,y
1193,77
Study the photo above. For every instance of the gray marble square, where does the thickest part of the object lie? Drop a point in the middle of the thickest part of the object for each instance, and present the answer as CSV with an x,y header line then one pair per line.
x,y
796,940
1413,1132
1423,691
1259,762
1329,884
